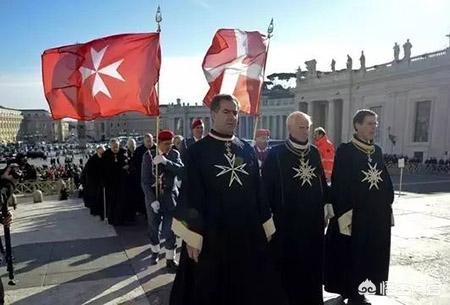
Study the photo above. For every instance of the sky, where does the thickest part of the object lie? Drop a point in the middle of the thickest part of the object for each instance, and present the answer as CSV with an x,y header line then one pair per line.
x,y
304,30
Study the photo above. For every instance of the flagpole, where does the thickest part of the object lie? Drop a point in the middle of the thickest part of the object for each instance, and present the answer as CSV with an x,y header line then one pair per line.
x,y
158,19
269,35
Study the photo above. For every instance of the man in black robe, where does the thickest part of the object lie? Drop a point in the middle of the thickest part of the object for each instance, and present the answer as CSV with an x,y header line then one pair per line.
x,y
115,167
295,184
357,243
91,178
223,221
133,182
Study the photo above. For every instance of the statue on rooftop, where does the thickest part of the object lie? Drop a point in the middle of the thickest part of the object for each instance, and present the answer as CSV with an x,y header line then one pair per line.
x,y
362,60
407,50
299,72
396,52
349,62
311,67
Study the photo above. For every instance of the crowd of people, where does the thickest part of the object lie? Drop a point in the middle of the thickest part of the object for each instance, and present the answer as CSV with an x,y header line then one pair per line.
x,y
47,162
47,172
252,218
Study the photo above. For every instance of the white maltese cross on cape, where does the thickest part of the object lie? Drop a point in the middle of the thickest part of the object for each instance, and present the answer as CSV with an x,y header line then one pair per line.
x,y
304,172
232,168
372,176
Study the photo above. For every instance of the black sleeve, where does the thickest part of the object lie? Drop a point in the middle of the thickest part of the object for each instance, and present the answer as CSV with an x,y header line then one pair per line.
x,y
271,180
6,190
175,165
183,150
340,181
263,202
188,220
85,172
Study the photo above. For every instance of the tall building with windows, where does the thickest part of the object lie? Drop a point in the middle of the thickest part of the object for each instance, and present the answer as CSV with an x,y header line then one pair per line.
x,y
38,126
30,125
10,121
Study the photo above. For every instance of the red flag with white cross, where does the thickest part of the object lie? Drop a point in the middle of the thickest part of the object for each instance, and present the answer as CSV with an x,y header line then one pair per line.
x,y
103,77
234,64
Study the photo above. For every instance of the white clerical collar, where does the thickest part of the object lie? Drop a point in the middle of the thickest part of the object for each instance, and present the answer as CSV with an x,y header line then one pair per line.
x,y
225,139
195,139
298,146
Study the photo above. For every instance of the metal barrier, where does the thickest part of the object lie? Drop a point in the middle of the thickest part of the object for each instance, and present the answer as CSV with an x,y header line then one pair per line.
x,y
47,187
420,168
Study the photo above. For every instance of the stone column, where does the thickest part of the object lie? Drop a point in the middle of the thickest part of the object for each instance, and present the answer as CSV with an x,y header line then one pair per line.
x,y
310,108
330,121
280,127
276,126
271,124
347,126
247,122
251,126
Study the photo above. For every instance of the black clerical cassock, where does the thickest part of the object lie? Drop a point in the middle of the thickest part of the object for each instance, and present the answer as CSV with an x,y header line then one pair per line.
x,y
223,215
357,243
114,177
296,187
93,185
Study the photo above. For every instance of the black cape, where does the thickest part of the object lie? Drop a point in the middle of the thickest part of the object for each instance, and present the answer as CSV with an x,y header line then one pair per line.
x,y
298,211
185,144
92,185
133,185
350,260
115,180
223,209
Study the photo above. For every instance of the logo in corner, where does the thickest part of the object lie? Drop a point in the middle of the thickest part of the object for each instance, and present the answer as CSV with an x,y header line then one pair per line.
x,y
367,287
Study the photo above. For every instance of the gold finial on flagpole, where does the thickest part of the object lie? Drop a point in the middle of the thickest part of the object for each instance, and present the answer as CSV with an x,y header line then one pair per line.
x,y
158,19
270,29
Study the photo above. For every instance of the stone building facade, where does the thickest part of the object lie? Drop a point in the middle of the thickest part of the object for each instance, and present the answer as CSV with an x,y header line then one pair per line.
x,y
38,126
10,121
411,97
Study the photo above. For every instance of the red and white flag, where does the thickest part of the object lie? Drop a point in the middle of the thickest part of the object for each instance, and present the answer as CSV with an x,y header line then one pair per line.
x,y
234,64
103,77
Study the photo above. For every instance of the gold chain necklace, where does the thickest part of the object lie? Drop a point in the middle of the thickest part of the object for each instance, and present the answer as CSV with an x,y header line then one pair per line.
x,y
368,150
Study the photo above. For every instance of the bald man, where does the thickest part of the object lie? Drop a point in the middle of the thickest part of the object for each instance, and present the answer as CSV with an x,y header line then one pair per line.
x,y
297,191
